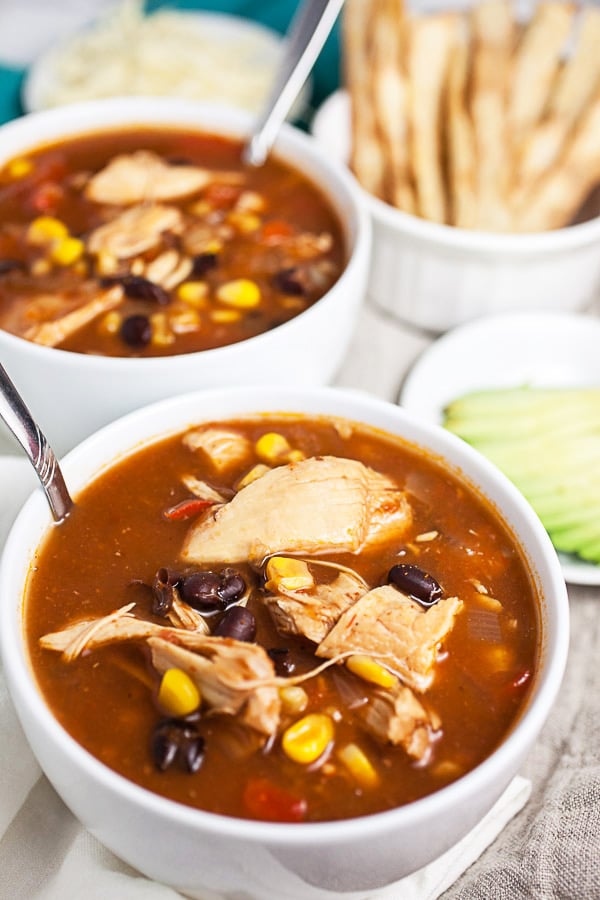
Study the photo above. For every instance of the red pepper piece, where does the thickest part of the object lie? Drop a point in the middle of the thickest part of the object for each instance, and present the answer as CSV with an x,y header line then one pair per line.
x,y
186,509
47,197
276,230
270,803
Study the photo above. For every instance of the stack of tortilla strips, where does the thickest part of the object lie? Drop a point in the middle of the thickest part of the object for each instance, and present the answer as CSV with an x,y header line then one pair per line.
x,y
472,118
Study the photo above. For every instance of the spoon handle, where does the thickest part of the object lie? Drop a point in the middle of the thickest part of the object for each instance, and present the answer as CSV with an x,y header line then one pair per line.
x,y
307,34
20,421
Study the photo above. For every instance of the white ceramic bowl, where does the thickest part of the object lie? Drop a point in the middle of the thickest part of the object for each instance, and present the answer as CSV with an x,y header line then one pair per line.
x,y
198,852
436,276
72,394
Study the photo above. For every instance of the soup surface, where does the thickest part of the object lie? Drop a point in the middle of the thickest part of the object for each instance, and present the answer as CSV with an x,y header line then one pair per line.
x,y
155,242
283,618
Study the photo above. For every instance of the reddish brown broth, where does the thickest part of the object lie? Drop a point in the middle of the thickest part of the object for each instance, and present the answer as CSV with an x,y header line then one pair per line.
x,y
294,212
117,533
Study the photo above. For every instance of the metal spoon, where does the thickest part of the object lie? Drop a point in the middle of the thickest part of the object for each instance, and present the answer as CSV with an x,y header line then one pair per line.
x,y
307,33
15,414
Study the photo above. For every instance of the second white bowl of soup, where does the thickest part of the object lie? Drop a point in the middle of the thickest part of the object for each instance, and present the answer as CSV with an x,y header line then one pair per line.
x,y
139,258
349,592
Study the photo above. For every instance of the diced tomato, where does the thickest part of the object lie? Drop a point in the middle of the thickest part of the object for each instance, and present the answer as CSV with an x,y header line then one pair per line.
x,y
46,197
222,195
270,803
276,230
186,509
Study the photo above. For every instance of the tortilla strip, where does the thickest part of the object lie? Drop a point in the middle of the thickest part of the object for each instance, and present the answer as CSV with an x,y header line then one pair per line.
x,y
391,99
366,157
494,36
431,39
575,88
556,198
536,64
460,141
51,334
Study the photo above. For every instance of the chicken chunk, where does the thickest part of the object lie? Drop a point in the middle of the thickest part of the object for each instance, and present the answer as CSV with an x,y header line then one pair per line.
x,y
392,629
318,505
313,613
223,447
226,673
52,334
142,176
397,717
136,230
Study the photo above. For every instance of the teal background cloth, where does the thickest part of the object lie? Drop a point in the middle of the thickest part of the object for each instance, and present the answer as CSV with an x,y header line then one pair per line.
x,y
274,13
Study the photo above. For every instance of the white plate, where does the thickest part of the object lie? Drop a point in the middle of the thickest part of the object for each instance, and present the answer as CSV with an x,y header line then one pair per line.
x,y
539,349
253,46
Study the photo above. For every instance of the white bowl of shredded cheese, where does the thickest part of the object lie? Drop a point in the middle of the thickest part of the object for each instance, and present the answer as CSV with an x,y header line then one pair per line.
x,y
203,56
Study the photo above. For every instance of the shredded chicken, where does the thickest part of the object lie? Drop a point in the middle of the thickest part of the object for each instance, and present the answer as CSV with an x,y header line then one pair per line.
x,y
226,672
143,175
391,628
396,717
51,334
88,634
183,616
318,505
312,613
202,490
136,230
168,269
223,447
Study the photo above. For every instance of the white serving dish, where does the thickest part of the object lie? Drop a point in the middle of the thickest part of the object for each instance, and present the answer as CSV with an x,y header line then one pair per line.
x,y
198,852
72,394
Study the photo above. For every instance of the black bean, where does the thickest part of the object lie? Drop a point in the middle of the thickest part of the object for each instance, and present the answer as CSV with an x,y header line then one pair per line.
x,y
416,583
201,590
164,746
138,288
203,263
238,623
136,331
192,753
164,590
179,161
289,281
281,658
11,265
232,586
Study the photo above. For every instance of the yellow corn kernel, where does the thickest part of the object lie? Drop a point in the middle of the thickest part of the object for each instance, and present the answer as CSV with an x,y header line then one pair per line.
x,y
67,251
184,321
308,738
19,168
272,447
499,658
40,267
288,573
225,316
200,208
193,293
244,222
177,694
254,474
46,229
292,302
359,765
110,323
241,293
294,699
162,335
369,670
213,246
295,456
106,263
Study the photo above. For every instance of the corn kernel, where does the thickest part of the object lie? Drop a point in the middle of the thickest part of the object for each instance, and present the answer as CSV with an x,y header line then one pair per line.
x,y
213,246
67,251
308,738
193,293
288,573
294,699
359,765
295,456
162,335
225,316
45,229
369,670
254,474
81,268
244,222
184,321
106,263
40,267
110,323
19,168
272,447
177,694
137,266
200,208
241,293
